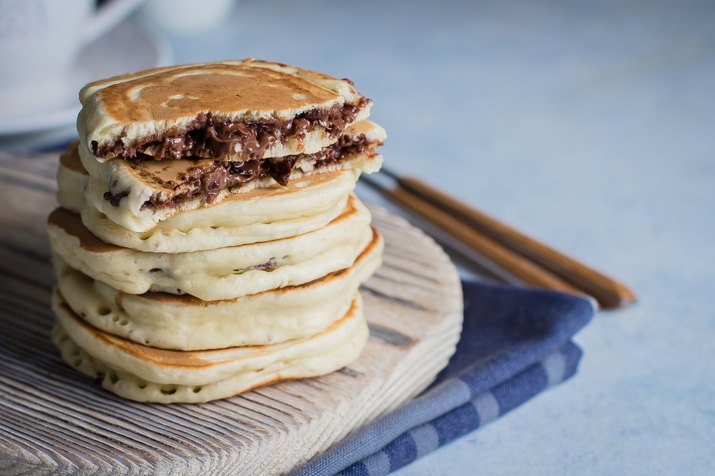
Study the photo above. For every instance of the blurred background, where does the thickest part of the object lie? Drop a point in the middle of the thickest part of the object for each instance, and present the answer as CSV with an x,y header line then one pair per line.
x,y
590,125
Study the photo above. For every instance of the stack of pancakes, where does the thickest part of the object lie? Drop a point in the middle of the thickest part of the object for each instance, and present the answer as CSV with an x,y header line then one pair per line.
x,y
208,240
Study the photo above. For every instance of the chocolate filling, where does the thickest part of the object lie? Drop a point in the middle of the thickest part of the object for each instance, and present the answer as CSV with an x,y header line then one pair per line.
x,y
269,266
207,181
115,198
211,138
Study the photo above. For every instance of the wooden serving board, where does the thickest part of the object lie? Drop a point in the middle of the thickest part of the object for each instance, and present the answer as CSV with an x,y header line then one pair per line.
x,y
52,419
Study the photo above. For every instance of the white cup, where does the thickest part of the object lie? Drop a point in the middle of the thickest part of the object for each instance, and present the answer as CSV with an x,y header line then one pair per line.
x,y
181,17
39,41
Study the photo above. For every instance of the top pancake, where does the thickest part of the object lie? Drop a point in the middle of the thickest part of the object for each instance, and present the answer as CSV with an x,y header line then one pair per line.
x,y
132,108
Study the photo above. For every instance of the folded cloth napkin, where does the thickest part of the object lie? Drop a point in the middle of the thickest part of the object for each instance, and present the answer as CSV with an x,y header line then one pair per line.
x,y
515,343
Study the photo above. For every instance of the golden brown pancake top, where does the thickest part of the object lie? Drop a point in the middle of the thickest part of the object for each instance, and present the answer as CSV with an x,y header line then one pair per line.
x,y
70,158
159,172
72,224
188,91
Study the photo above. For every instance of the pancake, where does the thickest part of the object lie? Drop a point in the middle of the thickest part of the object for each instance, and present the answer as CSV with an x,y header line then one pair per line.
x,y
261,215
139,194
224,273
72,180
225,110
147,374
185,323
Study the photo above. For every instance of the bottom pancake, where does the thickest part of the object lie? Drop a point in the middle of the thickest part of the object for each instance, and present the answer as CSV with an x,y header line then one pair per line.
x,y
148,374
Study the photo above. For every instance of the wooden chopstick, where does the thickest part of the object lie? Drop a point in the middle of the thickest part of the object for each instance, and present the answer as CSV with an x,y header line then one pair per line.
x,y
609,292
517,265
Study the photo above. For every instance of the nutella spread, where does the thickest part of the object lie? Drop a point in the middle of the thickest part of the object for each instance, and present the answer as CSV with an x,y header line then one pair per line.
x,y
207,137
115,198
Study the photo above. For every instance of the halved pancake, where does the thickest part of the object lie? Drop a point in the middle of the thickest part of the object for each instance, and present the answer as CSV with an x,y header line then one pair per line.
x,y
260,215
225,110
138,194
186,323
147,374
223,273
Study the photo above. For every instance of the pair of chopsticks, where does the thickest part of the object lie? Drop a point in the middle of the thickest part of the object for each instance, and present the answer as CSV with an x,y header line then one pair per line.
x,y
530,261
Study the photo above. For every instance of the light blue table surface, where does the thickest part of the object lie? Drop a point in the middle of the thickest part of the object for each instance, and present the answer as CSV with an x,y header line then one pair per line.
x,y
588,125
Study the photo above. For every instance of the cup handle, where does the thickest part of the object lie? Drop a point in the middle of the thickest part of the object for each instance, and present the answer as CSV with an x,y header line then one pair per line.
x,y
108,16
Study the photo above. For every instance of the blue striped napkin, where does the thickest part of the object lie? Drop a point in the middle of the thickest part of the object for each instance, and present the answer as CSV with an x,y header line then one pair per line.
x,y
515,343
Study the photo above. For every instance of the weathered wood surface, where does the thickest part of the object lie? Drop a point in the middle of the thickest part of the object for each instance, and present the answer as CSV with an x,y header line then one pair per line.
x,y
52,419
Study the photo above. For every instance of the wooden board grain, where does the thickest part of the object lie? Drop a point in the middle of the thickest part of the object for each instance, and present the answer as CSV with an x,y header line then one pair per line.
x,y
52,419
